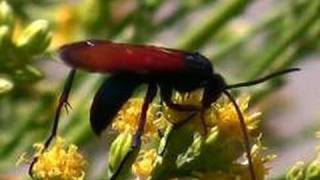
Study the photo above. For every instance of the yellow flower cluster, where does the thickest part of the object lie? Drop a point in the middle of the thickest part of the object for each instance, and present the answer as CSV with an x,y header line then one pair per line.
x,y
127,119
221,116
66,21
144,164
192,98
59,163
227,119
179,117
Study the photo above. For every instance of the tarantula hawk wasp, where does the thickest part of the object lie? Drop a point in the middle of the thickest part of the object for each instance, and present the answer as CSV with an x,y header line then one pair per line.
x,y
160,68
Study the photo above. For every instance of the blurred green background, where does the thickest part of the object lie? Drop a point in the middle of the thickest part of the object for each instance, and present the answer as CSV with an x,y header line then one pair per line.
x,y
244,39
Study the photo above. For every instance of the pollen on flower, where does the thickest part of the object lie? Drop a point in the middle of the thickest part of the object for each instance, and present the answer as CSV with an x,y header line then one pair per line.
x,y
144,164
227,120
59,162
179,117
127,119
192,98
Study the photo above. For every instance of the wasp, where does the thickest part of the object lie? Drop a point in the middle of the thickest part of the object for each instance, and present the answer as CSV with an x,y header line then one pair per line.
x,y
162,69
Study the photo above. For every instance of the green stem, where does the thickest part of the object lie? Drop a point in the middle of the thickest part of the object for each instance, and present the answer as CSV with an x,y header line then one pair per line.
x,y
291,35
290,57
25,127
227,48
81,133
199,35
180,13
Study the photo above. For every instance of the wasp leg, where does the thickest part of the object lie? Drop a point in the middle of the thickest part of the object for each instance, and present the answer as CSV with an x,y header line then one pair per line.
x,y
63,101
151,93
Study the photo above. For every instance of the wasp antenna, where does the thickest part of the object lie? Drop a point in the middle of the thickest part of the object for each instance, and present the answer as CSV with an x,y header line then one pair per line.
x,y
263,79
244,130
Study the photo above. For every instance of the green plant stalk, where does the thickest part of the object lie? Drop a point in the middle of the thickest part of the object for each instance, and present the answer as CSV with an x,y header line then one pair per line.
x,y
27,124
80,133
290,36
235,43
131,18
118,29
9,161
144,27
174,18
103,16
198,36
287,59
179,14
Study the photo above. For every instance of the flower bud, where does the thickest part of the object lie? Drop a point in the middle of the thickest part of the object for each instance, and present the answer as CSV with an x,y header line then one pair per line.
x,y
35,38
5,85
120,151
28,74
297,172
6,14
313,171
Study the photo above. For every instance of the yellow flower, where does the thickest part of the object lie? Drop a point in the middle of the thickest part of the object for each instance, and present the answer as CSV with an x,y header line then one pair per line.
x,y
227,119
144,164
58,162
221,117
127,119
221,114
66,27
193,98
